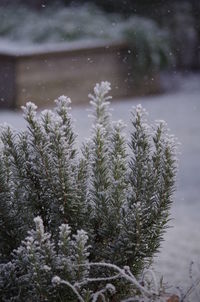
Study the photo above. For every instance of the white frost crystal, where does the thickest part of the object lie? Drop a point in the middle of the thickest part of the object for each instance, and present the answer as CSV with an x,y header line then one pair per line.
x,y
56,280
39,225
30,108
102,89
63,101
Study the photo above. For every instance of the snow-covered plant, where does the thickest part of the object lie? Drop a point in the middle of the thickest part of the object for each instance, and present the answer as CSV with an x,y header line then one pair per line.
x,y
28,276
117,190
41,270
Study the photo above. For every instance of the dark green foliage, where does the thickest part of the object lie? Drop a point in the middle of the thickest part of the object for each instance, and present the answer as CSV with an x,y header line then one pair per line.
x,y
119,192
150,46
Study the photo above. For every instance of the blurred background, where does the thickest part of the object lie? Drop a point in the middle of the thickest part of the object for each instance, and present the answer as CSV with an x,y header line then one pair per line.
x,y
148,50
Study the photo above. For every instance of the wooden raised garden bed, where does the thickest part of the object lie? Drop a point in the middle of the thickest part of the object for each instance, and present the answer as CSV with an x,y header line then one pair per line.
x,y
41,74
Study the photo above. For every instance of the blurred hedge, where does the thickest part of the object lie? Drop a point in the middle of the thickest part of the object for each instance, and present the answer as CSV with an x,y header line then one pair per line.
x,y
151,8
180,18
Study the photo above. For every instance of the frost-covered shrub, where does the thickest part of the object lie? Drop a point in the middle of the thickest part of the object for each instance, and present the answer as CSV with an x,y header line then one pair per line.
x,y
41,270
117,190
28,277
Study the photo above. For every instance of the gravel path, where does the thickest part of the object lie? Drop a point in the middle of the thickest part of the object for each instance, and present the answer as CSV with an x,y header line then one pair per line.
x,y
181,110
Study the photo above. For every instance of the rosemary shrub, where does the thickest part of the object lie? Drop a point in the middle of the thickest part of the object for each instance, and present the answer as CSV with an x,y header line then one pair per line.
x,y
107,204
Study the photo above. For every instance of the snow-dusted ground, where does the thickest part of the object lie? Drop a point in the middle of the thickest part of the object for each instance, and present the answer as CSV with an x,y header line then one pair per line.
x,y
181,110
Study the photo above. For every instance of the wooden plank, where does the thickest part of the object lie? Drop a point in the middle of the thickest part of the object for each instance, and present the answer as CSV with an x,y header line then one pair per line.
x,y
44,78
72,70
7,82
